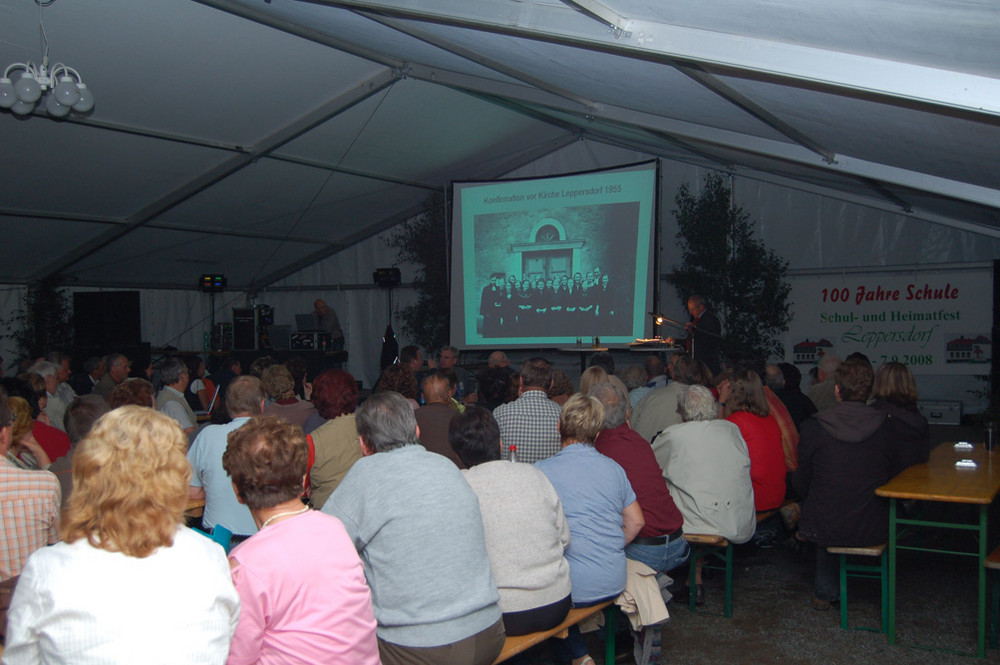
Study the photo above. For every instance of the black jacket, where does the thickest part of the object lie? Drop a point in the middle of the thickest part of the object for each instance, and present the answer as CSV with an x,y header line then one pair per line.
x,y
845,453
909,430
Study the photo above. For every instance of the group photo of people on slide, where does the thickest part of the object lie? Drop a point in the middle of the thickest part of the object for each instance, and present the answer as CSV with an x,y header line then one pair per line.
x,y
556,304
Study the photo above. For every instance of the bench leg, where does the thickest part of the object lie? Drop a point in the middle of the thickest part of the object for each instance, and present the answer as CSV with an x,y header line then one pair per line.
x,y
884,565
729,581
610,624
693,566
843,591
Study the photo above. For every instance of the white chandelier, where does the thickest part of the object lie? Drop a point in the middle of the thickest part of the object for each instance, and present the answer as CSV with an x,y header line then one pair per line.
x,y
66,90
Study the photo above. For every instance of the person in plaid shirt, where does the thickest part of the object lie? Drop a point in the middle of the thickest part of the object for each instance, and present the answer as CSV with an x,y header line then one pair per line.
x,y
29,505
531,422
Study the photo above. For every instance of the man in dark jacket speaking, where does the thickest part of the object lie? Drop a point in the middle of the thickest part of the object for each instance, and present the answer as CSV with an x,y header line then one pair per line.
x,y
844,454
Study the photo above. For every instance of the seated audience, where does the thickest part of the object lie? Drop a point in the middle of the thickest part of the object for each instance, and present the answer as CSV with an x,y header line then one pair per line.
x,y
83,383
561,389
29,505
41,396
660,544
656,371
128,579
799,406
591,377
845,454
244,400
53,441
400,378
55,405
435,415
417,526
297,368
635,379
258,366
658,409
895,393
201,390
821,393
225,369
786,425
80,417
118,370
518,506
602,512
24,452
414,359
170,400
137,392
304,598
494,384
466,390
279,386
335,394
531,422
746,407
707,467
605,361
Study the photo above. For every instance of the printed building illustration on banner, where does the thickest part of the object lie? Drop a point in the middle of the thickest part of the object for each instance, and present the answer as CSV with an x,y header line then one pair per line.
x,y
972,349
810,353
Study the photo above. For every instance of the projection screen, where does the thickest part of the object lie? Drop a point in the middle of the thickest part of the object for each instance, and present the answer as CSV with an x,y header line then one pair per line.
x,y
544,262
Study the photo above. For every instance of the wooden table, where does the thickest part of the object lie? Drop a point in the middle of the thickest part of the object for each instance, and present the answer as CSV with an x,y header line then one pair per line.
x,y
940,480
194,508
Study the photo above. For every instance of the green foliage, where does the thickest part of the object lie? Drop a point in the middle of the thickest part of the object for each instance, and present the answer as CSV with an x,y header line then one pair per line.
x,y
44,323
737,274
422,242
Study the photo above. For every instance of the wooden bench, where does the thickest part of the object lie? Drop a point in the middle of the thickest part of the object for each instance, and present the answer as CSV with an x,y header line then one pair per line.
x,y
709,546
515,645
992,563
867,571
194,508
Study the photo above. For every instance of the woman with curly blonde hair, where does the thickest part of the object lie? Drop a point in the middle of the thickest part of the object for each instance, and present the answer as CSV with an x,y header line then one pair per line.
x,y
129,578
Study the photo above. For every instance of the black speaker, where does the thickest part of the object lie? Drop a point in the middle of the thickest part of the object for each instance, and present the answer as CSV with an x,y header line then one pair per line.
x,y
387,278
107,319
244,329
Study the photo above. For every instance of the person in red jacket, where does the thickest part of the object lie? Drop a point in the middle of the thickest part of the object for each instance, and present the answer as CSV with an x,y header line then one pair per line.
x,y
746,407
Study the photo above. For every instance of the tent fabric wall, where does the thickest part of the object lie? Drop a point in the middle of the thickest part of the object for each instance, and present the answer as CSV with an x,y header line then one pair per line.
x,y
813,232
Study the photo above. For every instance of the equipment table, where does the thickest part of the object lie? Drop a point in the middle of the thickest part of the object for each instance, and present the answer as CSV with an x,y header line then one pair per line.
x,y
941,480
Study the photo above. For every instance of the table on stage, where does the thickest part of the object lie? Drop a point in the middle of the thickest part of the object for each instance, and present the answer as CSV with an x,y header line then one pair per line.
x,y
941,480
584,351
659,347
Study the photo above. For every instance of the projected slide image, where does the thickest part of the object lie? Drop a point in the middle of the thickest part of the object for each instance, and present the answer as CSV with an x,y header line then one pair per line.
x,y
547,261
555,273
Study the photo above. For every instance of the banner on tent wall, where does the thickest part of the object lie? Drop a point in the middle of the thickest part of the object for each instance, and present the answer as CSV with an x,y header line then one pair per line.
x,y
934,322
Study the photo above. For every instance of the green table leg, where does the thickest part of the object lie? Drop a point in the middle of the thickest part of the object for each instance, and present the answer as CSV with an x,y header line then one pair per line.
x,y
892,571
981,626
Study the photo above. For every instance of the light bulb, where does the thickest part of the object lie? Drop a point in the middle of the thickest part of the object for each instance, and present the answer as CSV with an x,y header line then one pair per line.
x,y
23,108
55,109
8,96
86,101
27,88
66,92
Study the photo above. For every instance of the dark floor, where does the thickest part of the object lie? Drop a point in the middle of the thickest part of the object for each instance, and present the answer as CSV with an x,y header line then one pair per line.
x,y
773,622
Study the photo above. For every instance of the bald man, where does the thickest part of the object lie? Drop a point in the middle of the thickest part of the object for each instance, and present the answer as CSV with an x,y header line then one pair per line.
x,y
326,319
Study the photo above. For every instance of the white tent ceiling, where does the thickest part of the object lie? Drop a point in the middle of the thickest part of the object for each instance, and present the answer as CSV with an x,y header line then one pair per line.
x,y
255,137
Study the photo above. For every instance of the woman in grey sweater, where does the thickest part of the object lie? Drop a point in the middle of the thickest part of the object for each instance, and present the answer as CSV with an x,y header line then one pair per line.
x,y
526,531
